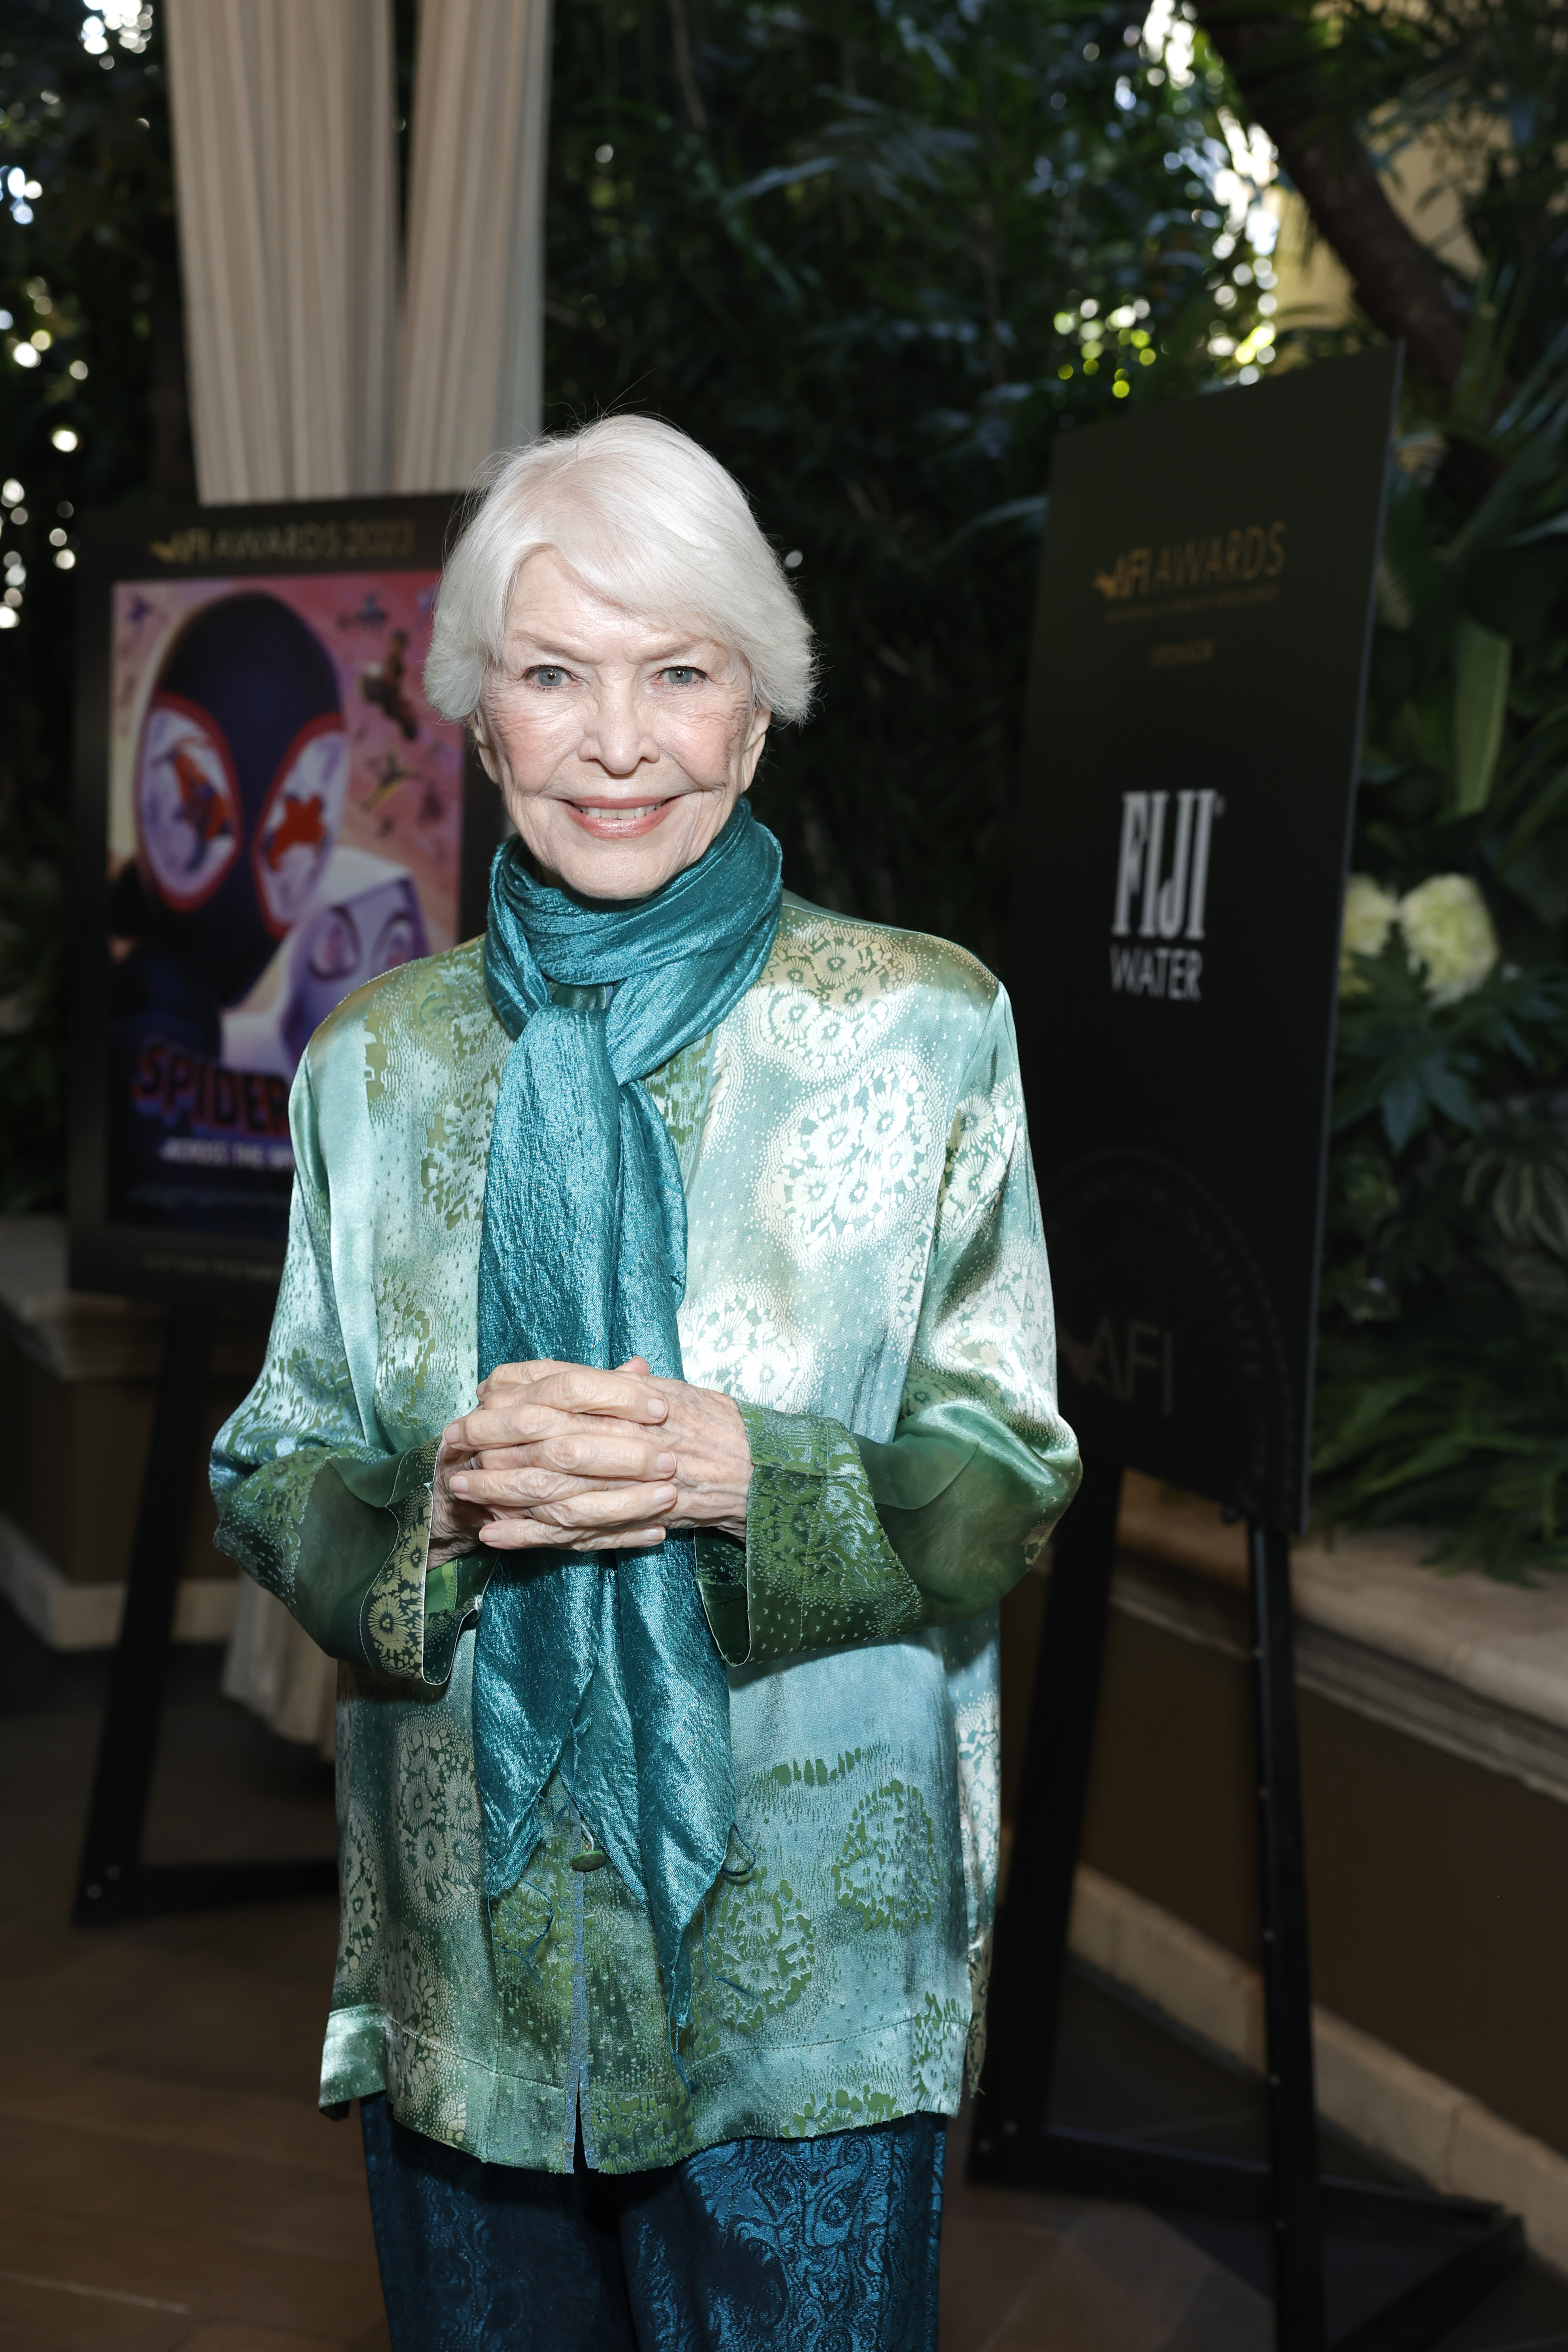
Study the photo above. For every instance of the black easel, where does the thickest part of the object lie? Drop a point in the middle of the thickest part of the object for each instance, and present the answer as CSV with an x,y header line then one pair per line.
x,y
114,1883
1015,2145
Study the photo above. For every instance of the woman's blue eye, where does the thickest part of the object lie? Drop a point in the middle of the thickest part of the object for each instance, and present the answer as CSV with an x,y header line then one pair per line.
x,y
546,674
682,673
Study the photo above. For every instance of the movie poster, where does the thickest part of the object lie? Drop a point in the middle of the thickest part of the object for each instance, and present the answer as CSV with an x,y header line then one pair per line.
x,y
284,823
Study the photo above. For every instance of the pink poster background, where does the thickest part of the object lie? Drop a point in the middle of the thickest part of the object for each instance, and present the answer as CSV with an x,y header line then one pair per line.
x,y
405,791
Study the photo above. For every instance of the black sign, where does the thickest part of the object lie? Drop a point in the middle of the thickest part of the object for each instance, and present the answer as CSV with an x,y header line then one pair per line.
x,y
269,814
1196,697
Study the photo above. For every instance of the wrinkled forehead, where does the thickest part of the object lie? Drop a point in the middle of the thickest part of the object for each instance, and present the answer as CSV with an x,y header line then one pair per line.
x,y
552,610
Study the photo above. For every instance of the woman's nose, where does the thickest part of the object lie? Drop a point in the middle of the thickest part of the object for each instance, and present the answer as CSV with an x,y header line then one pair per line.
x,y
617,738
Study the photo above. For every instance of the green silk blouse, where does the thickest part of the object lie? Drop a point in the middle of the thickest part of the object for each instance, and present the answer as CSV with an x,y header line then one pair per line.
x,y
867,1277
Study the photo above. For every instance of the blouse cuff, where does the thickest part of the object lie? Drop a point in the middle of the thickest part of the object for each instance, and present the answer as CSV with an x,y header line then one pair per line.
x,y
816,1568
378,1603
966,1504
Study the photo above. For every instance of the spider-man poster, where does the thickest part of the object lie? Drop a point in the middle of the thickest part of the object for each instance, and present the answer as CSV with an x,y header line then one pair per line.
x,y
284,822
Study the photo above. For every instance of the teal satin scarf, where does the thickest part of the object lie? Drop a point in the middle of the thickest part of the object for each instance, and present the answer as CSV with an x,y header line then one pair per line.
x,y
602,1666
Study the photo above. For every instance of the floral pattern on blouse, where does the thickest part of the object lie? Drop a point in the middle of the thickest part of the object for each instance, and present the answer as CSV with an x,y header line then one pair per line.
x,y
867,1277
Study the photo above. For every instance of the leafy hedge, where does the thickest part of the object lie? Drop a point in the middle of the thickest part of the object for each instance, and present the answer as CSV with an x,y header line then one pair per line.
x,y
869,257
857,267
1443,1394
89,263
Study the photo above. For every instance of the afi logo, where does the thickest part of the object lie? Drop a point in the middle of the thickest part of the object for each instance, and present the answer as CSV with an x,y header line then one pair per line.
x,y
1139,1369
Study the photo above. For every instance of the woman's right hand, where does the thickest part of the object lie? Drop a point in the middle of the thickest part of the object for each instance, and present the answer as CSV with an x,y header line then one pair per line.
x,y
554,1457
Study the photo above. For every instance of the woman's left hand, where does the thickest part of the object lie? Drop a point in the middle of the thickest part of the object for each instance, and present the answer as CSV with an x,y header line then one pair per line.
x,y
701,1428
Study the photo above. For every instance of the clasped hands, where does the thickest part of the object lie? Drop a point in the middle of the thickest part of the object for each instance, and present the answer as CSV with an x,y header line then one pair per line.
x,y
563,1457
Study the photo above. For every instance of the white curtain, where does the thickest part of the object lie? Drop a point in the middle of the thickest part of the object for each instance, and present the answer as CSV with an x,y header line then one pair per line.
x,y
471,350
285,167
285,163
302,384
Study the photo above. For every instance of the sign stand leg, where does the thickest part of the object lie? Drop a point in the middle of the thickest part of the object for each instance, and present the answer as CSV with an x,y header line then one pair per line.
x,y
1287,1975
1031,1955
113,1883
1015,2145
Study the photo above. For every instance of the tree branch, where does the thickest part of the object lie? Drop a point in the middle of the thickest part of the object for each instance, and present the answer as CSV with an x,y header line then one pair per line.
x,y
1396,279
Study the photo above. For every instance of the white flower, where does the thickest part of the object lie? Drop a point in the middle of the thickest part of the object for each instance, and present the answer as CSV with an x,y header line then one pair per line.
x,y
1370,911
1448,935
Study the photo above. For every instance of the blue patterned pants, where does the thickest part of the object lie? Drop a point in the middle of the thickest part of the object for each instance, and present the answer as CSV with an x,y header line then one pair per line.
x,y
760,2245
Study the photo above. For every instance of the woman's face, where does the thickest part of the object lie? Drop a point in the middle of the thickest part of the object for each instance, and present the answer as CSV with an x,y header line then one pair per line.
x,y
619,745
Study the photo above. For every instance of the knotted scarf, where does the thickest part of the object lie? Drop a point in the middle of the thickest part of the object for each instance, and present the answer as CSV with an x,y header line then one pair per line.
x,y
602,1665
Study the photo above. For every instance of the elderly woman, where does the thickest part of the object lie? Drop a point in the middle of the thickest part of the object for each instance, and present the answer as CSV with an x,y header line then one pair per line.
x,y
660,1398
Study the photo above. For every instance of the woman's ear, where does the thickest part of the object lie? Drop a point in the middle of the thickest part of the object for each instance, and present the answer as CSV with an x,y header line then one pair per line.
x,y
485,746
761,720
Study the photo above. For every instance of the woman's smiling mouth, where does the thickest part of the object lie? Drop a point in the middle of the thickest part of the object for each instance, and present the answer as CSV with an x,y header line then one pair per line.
x,y
618,820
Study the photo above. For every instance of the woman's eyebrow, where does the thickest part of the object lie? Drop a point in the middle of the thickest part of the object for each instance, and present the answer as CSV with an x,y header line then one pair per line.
x,y
543,649
537,649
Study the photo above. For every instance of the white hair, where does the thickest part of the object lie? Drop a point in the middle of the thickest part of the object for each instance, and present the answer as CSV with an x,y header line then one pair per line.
x,y
648,520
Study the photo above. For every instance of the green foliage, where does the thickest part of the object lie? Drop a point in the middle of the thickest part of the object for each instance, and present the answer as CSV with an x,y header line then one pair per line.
x,y
843,269
100,247
1483,84
1457,69
854,256
1443,1394
94,272
1443,1360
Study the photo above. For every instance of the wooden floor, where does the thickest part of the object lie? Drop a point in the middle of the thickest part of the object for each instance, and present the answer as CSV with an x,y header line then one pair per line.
x,y
166,2182
165,2179
167,2185
1024,2273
